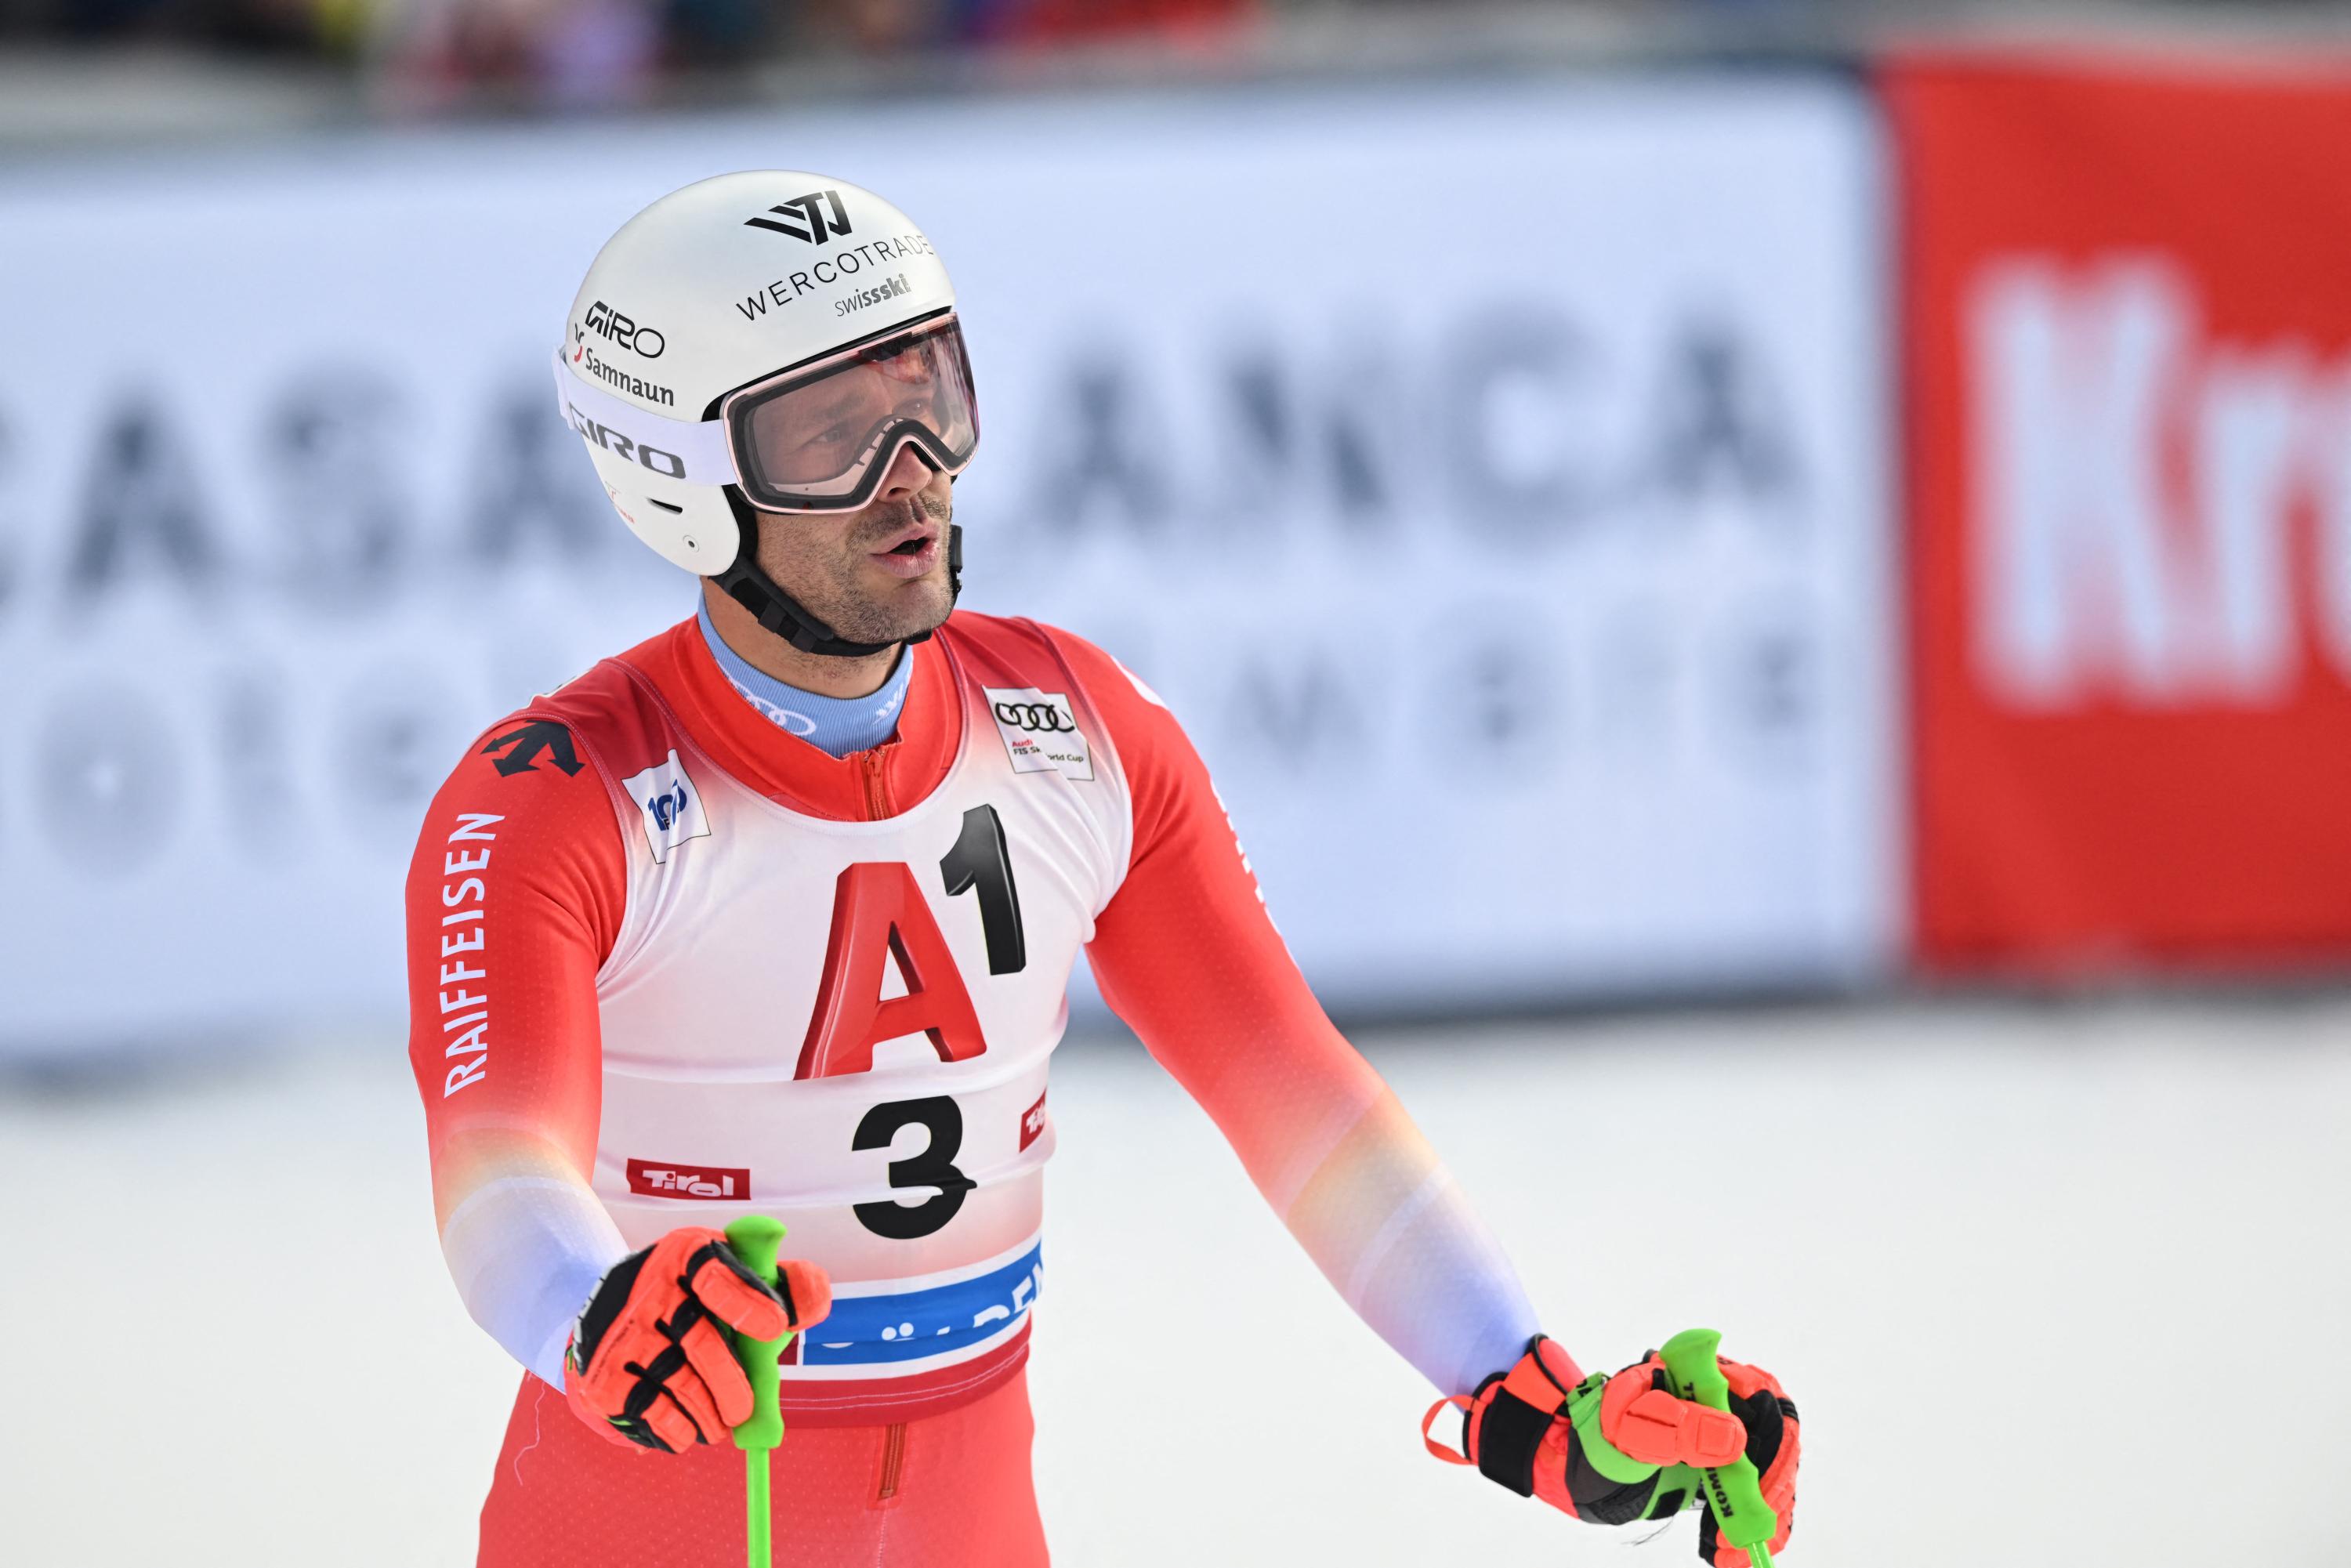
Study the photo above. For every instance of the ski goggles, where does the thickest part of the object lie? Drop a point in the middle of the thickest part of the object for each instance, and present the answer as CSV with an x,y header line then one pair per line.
x,y
817,436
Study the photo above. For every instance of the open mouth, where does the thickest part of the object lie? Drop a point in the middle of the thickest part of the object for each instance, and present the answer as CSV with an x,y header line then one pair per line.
x,y
912,553
919,531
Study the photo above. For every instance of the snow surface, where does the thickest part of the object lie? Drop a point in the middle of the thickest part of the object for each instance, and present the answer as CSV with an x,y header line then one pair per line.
x,y
2056,1285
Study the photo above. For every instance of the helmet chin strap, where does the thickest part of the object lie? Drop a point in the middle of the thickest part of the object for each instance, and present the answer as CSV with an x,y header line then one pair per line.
x,y
788,618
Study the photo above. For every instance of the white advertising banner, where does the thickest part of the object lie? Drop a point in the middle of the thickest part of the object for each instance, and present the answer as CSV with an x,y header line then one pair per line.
x,y
1494,480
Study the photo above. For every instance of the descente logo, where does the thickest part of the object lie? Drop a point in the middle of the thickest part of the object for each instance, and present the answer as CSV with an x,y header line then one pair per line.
x,y
814,218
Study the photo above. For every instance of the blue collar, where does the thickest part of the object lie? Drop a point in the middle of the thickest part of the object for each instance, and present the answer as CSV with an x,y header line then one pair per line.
x,y
835,725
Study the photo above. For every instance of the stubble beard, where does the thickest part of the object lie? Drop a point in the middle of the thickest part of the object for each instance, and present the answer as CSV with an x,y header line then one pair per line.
x,y
836,585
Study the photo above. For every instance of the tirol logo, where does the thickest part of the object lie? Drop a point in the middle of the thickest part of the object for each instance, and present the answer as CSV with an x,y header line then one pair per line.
x,y
1040,731
667,1178
609,323
1032,1123
815,217
671,806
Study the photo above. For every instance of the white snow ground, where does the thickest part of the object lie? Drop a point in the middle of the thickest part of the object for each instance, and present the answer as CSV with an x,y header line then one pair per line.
x,y
2052,1287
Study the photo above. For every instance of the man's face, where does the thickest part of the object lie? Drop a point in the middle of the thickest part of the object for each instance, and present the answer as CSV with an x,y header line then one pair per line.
x,y
879,575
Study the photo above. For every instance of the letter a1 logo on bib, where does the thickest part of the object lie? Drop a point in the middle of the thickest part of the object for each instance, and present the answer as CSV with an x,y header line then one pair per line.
x,y
879,914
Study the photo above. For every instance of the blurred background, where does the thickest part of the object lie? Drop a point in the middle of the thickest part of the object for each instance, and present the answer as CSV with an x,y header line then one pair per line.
x,y
1772,573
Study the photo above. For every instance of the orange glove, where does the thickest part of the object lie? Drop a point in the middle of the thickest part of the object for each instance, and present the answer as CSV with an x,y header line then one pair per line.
x,y
1774,1444
1613,1449
649,1363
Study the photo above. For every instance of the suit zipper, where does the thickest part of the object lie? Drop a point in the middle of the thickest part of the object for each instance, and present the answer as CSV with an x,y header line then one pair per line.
x,y
893,1441
893,1460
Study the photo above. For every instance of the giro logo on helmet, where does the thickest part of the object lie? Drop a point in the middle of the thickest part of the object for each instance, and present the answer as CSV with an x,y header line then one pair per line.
x,y
815,217
1043,717
620,446
602,319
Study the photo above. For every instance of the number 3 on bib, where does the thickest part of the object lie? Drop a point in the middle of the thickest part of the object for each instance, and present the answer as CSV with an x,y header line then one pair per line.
x,y
933,1165
877,910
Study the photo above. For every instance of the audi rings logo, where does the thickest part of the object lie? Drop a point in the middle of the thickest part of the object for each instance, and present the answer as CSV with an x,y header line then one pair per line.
x,y
1043,717
1039,731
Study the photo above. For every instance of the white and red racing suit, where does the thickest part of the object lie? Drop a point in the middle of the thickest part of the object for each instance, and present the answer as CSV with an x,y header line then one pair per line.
x,y
669,965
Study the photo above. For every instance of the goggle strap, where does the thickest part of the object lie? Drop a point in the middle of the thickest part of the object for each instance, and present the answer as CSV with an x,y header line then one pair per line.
x,y
694,451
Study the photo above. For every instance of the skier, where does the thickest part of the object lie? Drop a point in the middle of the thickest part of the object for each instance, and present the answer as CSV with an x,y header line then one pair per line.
x,y
774,912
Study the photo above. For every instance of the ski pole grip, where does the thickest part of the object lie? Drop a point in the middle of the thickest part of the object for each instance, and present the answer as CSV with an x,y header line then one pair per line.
x,y
755,1240
1734,1491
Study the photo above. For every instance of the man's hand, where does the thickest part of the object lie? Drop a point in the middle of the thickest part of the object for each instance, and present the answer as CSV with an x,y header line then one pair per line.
x,y
649,1363
1612,1450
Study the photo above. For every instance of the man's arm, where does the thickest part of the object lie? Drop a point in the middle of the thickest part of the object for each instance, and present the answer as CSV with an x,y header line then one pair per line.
x,y
514,899
1187,955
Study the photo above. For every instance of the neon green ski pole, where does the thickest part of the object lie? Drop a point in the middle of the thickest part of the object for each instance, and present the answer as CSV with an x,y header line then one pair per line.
x,y
755,1239
1735,1493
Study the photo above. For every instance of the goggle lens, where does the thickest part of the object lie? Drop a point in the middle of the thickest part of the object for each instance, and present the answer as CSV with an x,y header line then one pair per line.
x,y
817,436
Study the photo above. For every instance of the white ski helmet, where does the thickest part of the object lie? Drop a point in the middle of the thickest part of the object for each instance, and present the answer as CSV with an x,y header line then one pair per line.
x,y
769,339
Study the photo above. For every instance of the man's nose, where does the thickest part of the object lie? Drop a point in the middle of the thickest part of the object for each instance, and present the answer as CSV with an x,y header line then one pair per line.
x,y
907,474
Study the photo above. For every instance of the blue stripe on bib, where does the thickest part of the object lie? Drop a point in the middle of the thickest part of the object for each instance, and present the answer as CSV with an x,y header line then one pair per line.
x,y
865,1331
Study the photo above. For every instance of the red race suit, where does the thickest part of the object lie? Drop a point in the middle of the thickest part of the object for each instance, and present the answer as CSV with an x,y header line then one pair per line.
x,y
670,965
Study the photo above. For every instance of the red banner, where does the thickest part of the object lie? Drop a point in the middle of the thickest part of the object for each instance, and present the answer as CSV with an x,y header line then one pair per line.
x,y
2128,312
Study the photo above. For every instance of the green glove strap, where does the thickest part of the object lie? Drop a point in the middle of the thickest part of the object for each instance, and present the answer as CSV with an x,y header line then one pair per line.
x,y
1734,1491
1605,1456
1674,1479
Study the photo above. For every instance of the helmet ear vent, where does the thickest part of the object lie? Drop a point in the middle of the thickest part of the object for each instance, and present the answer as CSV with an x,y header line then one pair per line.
x,y
665,506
